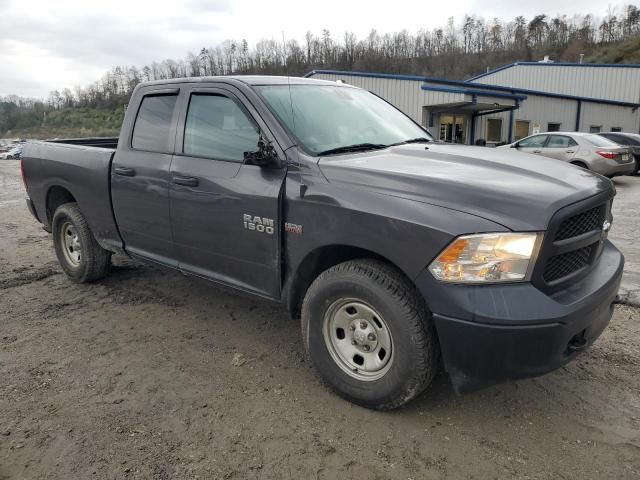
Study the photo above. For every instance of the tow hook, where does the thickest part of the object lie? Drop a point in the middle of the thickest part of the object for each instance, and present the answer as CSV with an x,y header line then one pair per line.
x,y
578,342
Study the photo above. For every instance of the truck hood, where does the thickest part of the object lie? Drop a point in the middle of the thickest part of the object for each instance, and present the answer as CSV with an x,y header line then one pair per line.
x,y
516,190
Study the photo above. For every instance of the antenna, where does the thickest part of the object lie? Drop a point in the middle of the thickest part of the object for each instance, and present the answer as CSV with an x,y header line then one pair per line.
x,y
286,66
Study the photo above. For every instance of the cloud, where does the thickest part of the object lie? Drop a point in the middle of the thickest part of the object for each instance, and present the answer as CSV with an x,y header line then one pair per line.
x,y
205,6
508,9
109,39
56,44
41,73
76,46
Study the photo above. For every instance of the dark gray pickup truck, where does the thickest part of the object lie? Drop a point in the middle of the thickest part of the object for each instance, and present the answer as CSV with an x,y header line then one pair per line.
x,y
398,253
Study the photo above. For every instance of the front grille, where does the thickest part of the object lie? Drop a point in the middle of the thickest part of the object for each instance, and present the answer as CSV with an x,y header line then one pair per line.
x,y
572,245
565,264
584,222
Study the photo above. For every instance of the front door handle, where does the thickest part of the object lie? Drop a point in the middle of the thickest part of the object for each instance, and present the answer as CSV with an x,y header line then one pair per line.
x,y
124,171
537,151
186,181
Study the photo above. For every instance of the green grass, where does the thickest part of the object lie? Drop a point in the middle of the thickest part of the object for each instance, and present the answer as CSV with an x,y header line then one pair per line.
x,y
68,122
624,52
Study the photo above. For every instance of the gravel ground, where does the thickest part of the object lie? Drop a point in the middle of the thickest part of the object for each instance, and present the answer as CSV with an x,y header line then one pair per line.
x,y
149,374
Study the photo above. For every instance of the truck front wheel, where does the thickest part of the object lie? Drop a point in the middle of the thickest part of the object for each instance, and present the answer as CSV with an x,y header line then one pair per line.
x,y
368,333
80,256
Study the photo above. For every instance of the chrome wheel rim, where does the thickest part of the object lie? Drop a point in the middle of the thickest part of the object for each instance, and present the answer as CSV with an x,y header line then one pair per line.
x,y
358,339
70,243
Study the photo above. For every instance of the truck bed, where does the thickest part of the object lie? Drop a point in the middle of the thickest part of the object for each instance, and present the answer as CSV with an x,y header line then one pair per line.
x,y
101,142
80,166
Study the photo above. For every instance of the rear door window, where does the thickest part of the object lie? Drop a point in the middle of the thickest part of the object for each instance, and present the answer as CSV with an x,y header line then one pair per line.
x,y
560,141
218,128
153,128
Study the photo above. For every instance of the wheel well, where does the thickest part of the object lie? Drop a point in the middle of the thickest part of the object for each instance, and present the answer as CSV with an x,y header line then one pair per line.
x,y
317,262
57,196
580,163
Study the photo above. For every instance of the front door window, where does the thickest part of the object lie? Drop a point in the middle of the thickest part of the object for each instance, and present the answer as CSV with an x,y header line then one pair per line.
x,y
453,128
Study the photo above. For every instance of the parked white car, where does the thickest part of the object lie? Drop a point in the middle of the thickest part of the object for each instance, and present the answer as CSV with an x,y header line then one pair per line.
x,y
585,150
13,153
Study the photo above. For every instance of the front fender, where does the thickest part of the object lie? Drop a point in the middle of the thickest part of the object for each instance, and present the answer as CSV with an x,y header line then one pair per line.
x,y
406,232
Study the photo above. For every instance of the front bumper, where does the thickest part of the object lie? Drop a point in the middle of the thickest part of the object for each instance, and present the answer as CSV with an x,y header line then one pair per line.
x,y
494,333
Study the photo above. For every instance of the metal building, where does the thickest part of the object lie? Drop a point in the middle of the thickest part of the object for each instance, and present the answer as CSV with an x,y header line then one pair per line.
x,y
513,101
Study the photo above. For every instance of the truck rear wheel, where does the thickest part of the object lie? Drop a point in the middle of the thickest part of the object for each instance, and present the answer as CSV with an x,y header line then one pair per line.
x,y
369,334
80,256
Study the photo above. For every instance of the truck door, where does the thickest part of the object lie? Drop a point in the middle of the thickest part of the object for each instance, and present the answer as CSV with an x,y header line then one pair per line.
x,y
140,176
225,213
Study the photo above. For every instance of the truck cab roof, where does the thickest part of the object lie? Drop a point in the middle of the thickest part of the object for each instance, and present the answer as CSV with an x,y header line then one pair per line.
x,y
246,79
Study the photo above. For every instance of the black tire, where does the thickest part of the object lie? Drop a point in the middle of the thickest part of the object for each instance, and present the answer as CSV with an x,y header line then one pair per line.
x,y
415,359
94,261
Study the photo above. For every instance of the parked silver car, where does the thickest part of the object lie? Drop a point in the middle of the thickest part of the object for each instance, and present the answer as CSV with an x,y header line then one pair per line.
x,y
584,150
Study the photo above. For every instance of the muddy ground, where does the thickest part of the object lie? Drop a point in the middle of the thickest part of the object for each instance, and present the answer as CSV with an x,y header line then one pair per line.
x,y
135,377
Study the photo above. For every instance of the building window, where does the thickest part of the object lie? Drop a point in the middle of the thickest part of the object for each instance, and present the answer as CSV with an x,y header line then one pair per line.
x,y
553,127
494,130
522,129
595,128
616,129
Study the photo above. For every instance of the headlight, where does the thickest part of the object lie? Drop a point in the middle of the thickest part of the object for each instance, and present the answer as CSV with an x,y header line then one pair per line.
x,y
487,258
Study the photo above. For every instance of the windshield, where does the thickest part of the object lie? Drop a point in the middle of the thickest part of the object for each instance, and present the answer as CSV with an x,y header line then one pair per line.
x,y
599,141
324,118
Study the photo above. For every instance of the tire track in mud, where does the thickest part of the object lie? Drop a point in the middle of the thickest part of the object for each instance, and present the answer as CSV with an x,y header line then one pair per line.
x,y
27,277
630,298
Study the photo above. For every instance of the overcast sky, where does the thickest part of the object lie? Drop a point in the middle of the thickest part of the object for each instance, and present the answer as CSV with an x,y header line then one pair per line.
x,y
53,44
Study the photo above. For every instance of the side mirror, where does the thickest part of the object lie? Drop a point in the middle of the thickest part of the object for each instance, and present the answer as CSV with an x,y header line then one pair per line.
x,y
264,156
514,145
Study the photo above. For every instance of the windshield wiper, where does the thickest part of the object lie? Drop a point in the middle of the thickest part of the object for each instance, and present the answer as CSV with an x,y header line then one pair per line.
x,y
413,140
358,147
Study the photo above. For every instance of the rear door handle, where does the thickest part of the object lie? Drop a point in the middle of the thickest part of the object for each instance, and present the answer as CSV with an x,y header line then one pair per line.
x,y
570,151
186,181
537,151
124,171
